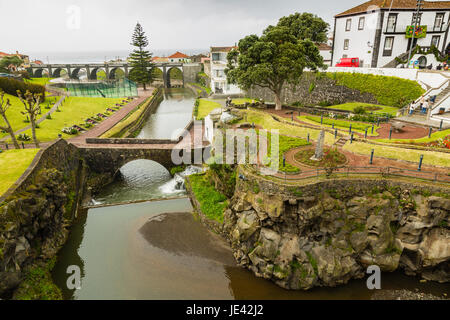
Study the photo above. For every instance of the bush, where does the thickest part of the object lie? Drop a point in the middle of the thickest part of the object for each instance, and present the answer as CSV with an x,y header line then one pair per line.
x,y
389,91
10,86
359,110
23,137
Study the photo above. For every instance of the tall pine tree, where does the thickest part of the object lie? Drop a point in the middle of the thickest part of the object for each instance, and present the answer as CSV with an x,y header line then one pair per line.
x,y
140,59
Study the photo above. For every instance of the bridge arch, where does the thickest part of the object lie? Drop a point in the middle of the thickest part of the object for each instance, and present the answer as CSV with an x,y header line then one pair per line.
x,y
116,73
75,74
98,73
40,72
59,72
174,75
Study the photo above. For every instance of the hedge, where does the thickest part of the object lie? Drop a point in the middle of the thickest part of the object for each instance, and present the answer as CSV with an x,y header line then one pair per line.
x,y
10,86
389,91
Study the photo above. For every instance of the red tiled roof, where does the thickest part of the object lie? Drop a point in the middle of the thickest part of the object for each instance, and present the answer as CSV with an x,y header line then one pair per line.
x,y
4,54
396,4
178,55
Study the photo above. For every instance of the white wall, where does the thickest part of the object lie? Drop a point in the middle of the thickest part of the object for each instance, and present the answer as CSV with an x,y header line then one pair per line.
x,y
358,47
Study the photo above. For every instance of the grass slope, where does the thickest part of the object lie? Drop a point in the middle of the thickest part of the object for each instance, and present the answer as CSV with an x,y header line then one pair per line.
x,y
205,108
13,164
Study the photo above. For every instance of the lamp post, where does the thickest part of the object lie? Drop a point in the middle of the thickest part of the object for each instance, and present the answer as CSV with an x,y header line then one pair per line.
x,y
417,14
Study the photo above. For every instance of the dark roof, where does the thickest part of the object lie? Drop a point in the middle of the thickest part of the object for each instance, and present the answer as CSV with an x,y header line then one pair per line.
x,y
396,4
324,46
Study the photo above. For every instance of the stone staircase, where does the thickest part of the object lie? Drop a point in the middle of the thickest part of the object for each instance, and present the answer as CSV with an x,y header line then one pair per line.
x,y
342,141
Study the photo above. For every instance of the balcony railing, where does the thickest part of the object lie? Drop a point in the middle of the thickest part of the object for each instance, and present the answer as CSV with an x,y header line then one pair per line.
x,y
402,28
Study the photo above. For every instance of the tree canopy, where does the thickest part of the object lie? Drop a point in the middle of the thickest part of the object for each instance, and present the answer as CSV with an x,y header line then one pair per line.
x,y
140,59
278,57
8,61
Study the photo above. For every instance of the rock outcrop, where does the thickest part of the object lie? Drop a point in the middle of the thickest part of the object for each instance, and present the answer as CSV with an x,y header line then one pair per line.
x,y
328,233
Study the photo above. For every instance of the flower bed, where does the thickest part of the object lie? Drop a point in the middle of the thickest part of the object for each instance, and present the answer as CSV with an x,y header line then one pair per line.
x,y
331,158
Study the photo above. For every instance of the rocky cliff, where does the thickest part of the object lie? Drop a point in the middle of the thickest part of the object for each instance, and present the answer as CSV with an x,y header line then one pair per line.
x,y
328,233
34,217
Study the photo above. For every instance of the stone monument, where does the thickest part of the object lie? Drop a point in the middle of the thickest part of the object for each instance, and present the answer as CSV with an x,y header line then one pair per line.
x,y
319,147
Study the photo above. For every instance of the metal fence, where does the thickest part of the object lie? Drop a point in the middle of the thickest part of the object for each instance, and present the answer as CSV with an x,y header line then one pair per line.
x,y
385,172
106,89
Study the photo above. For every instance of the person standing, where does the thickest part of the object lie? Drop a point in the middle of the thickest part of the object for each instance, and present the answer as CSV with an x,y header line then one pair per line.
x,y
425,107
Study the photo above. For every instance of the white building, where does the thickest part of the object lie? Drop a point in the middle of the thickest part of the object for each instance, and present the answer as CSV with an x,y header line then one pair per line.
x,y
375,32
219,84
325,51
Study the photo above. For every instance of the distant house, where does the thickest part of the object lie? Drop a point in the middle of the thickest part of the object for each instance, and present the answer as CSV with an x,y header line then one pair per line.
x,y
197,58
325,51
37,62
25,58
179,57
160,59
219,83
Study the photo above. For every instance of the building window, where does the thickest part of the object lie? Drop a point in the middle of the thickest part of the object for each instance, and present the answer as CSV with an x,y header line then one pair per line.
x,y
388,45
346,43
348,25
435,41
391,23
438,21
415,17
361,23
344,56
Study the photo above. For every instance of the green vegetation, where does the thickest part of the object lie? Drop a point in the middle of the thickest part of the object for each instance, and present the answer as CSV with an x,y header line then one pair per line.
x,y
286,144
267,122
313,263
140,59
10,86
38,81
177,169
242,101
38,284
279,55
331,158
117,130
16,118
212,202
202,87
205,107
389,91
327,122
430,157
375,108
74,112
13,164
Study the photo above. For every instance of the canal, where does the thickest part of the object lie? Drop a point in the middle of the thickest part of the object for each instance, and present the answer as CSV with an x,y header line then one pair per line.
x,y
157,250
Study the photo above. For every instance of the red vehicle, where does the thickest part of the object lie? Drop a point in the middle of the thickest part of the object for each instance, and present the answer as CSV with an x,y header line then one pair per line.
x,y
348,62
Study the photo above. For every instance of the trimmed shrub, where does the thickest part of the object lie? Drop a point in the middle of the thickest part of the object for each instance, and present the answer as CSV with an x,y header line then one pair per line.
x,y
389,91
10,86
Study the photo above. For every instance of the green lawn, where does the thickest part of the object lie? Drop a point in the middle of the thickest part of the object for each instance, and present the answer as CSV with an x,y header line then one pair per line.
x,y
212,202
242,101
350,106
286,144
16,118
40,81
342,124
13,164
73,112
430,157
198,85
266,121
205,108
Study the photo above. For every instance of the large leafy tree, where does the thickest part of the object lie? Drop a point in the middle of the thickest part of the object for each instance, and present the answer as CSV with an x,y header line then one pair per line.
x,y
306,26
276,58
140,58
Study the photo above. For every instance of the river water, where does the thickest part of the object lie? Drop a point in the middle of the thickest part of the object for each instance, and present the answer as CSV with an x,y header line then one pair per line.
x,y
157,250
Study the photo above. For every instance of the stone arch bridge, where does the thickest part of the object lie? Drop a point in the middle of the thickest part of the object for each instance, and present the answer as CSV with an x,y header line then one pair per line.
x,y
189,71
105,160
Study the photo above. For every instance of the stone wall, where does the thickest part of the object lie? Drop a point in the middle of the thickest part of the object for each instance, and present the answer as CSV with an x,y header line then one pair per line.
x,y
324,89
35,213
190,72
328,233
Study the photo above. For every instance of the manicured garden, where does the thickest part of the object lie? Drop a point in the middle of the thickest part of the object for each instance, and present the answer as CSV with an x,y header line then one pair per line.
x,y
439,139
341,124
74,111
212,202
13,164
331,158
389,91
16,118
430,157
286,144
242,101
369,108
204,107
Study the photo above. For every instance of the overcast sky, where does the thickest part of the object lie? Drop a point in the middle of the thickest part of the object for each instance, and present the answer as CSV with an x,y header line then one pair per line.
x,y
102,25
